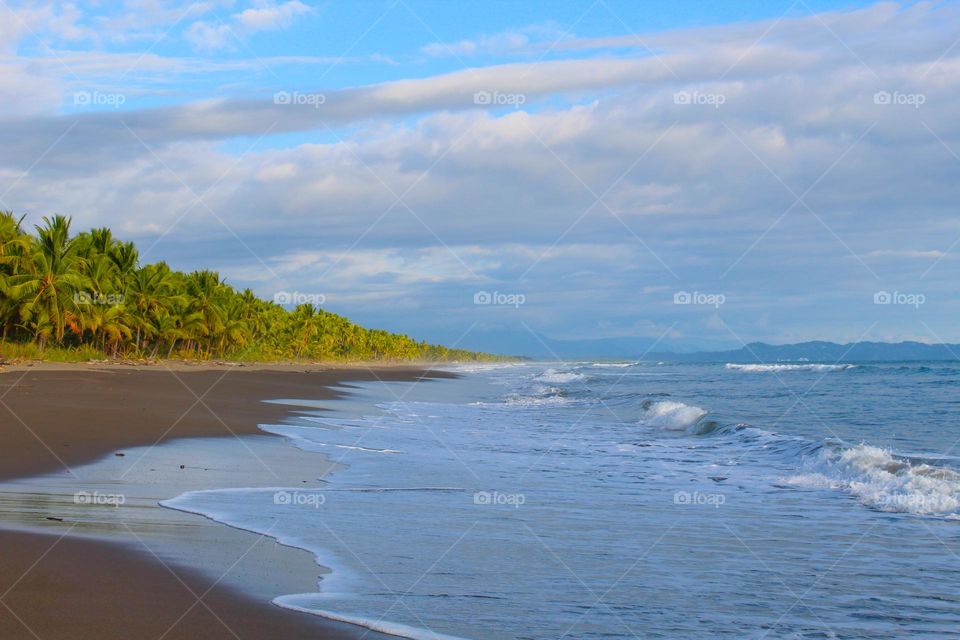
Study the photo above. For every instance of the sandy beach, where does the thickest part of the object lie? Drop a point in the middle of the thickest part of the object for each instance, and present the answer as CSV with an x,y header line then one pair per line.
x,y
144,571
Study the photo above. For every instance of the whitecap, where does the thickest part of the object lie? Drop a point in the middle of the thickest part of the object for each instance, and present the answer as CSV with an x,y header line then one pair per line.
x,y
882,480
535,401
553,376
672,416
761,368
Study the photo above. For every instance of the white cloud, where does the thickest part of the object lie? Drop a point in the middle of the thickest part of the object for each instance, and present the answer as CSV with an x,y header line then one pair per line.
x,y
704,194
205,36
264,16
518,41
269,15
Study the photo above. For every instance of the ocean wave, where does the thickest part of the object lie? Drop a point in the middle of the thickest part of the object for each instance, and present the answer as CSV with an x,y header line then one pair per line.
x,y
671,416
553,376
535,395
877,477
612,365
536,401
882,480
757,368
478,367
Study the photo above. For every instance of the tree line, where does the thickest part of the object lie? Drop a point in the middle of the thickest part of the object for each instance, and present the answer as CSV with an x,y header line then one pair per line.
x,y
89,291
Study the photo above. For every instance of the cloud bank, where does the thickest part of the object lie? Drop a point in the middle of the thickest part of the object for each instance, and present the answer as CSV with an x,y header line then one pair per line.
x,y
796,165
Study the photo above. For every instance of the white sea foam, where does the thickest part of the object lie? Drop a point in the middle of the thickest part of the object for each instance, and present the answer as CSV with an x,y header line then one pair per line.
x,y
336,584
300,438
552,376
539,395
477,367
672,416
759,368
535,401
374,624
342,424
812,481
883,481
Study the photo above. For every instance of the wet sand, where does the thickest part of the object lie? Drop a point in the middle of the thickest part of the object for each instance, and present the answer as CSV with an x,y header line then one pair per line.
x,y
70,582
57,417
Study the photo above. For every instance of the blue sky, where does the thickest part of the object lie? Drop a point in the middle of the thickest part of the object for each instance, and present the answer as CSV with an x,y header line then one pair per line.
x,y
786,164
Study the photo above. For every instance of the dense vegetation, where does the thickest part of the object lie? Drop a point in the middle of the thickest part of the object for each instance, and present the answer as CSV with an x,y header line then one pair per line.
x,y
89,295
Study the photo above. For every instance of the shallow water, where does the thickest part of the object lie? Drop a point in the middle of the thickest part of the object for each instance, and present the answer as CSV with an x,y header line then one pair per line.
x,y
620,500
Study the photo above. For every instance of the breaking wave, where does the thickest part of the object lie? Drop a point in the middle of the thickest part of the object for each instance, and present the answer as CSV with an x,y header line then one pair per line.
x,y
552,376
612,365
878,478
540,396
757,368
882,480
669,415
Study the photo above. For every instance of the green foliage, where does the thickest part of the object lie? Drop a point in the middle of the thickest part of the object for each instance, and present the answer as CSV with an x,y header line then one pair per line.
x,y
13,351
74,298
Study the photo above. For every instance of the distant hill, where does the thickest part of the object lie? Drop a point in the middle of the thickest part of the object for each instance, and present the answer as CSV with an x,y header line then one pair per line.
x,y
820,351
541,347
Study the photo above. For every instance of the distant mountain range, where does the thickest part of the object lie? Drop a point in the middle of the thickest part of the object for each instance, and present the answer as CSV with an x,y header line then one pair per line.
x,y
819,351
541,347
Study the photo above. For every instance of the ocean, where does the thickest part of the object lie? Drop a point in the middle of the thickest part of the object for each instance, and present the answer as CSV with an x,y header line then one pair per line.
x,y
630,500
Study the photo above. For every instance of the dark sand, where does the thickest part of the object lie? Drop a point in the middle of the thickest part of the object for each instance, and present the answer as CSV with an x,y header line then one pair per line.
x,y
82,589
58,417
52,418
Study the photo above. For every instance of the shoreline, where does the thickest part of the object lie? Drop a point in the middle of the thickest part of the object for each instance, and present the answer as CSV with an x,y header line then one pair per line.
x,y
65,421
220,365
63,416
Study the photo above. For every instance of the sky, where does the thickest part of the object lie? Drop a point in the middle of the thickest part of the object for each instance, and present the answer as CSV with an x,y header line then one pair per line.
x,y
513,176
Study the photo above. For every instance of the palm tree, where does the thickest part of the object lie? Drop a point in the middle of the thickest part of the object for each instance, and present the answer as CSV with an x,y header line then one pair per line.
x,y
203,291
54,279
91,290
305,327
167,329
108,326
235,331
125,256
14,246
14,243
149,292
